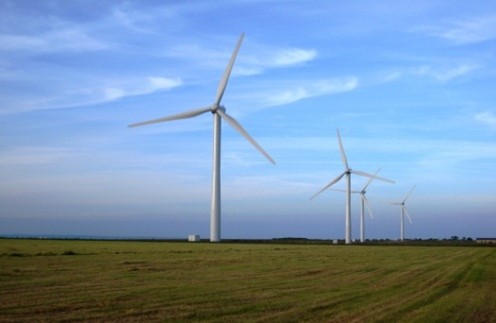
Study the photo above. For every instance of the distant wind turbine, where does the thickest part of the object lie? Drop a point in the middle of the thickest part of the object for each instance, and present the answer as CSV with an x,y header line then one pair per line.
x,y
403,212
218,112
347,171
363,203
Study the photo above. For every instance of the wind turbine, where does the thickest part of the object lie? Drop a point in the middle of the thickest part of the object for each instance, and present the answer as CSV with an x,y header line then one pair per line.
x,y
219,112
347,171
364,203
403,212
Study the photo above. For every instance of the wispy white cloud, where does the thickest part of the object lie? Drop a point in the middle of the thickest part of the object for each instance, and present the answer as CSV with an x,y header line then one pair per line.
x,y
253,64
486,118
463,32
89,91
291,56
441,73
133,19
390,76
445,74
318,88
66,39
140,87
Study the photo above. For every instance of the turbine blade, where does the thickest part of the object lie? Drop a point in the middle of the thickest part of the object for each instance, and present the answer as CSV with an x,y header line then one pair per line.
x,y
407,215
334,181
225,78
366,202
183,115
370,180
243,132
357,172
343,154
342,190
395,203
408,195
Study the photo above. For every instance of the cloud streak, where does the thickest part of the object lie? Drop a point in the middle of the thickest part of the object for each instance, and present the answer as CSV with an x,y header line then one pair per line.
x,y
247,64
291,56
445,74
252,64
464,32
140,87
486,118
309,90
89,91
65,39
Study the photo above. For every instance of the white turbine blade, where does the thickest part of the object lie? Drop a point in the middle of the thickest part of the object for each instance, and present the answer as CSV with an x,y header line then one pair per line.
x,y
395,203
341,149
408,195
183,115
366,202
357,172
243,132
334,181
370,180
227,72
343,190
407,215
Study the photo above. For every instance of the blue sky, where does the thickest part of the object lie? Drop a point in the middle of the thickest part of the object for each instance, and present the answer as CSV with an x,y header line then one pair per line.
x,y
410,85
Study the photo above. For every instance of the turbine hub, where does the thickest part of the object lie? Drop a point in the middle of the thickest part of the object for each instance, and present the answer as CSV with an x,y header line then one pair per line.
x,y
218,107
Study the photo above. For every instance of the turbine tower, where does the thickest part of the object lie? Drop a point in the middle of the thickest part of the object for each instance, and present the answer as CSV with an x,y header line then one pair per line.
x,y
219,112
403,212
363,203
347,171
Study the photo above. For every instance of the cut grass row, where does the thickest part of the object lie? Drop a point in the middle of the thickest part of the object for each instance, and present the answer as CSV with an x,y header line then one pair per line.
x,y
138,281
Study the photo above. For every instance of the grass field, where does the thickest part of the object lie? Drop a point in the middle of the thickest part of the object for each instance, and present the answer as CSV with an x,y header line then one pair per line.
x,y
47,280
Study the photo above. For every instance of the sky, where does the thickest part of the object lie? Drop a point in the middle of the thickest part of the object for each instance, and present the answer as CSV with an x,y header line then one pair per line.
x,y
409,84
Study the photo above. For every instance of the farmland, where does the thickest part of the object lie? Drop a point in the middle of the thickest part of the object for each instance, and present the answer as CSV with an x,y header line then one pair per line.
x,y
50,280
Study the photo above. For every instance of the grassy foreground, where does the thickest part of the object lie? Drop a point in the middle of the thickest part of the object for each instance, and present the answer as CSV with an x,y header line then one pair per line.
x,y
152,281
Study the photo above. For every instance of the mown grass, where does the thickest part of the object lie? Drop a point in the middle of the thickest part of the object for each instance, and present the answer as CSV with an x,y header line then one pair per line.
x,y
44,280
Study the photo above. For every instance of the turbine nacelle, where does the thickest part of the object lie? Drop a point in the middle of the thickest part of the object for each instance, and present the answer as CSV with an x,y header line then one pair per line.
x,y
217,107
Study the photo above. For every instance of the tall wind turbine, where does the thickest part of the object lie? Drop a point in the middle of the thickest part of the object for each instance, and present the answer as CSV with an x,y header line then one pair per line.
x,y
403,212
363,203
347,171
219,112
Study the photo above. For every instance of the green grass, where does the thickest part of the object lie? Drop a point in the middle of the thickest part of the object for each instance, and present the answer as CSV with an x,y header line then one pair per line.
x,y
45,280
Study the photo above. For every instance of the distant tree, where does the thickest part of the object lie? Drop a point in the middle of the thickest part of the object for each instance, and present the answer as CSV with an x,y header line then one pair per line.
x,y
469,239
454,238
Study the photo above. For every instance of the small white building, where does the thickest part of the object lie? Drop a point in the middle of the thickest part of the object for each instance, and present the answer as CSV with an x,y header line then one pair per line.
x,y
194,238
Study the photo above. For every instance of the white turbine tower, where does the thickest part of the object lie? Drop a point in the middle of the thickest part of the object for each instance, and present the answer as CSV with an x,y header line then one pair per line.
x,y
347,171
218,111
363,203
403,212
